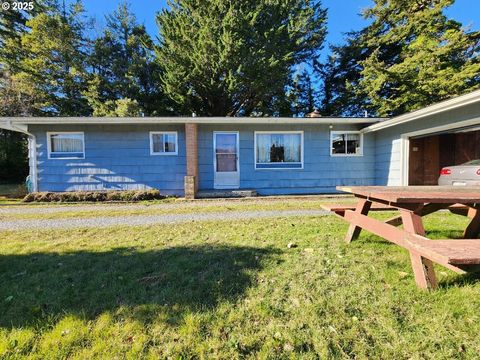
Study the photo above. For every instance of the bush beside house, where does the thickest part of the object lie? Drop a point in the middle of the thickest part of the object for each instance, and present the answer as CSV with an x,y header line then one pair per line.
x,y
94,196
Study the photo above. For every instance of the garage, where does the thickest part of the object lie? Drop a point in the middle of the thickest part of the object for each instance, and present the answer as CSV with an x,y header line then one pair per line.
x,y
429,154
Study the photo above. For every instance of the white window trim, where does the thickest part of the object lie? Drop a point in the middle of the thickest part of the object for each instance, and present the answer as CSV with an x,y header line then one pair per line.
x,y
163,153
346,132
49,145
279,168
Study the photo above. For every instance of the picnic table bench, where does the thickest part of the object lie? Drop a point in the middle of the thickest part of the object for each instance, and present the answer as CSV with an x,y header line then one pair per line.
x,y
414,202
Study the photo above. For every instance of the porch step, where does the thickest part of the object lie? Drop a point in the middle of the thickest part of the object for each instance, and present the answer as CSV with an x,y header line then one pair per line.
x,y
211,194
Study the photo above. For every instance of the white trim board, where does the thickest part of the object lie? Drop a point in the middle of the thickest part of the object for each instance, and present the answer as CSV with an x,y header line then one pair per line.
x,y
450,104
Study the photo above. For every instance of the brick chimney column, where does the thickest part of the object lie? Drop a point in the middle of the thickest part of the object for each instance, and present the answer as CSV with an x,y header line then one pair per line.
x,y
191,141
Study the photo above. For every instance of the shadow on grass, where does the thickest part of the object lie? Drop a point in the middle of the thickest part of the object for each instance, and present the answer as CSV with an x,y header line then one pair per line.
x,y
444,234
41,285
460,280
471,277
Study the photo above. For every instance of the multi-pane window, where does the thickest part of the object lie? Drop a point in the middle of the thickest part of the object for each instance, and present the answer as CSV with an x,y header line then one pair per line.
x,y
346,143
163,143
279,150
65,145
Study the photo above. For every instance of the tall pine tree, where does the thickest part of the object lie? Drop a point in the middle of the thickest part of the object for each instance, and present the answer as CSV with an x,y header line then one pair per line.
x,y
125,79
438,59
340,75
13,102
53,69
410,56
302,94
13,145
13,25
235,57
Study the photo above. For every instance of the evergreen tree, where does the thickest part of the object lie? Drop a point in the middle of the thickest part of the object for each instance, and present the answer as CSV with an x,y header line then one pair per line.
x,y
302,94
437,58
235,57
410,56
13,25
52,70
124,70
13,145
340,75
328,73
13,157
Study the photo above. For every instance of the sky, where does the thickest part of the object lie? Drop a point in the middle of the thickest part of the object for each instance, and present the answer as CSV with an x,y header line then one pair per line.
x,y
343,15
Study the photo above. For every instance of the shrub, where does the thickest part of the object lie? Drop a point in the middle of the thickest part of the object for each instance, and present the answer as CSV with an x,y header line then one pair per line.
x,y
94,196
29,197
114,196
146,195
47,197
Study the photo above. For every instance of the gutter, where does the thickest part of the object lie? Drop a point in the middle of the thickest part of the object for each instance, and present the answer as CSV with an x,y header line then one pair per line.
x,y
32,149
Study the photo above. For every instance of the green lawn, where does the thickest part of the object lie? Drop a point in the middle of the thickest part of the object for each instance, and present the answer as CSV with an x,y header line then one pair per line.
x,y
229,290
178,206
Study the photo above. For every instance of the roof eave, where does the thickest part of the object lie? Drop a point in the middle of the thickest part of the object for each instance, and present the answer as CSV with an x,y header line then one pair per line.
x,y
450,104
184,120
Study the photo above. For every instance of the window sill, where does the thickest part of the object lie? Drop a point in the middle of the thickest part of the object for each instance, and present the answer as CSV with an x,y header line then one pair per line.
x,y
66,158
274,166
346,155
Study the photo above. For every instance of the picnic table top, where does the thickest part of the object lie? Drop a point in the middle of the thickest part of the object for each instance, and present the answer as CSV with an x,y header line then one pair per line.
x,y
417,194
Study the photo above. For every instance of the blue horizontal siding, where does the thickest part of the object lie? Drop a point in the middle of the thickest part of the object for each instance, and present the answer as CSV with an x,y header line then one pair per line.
x,y
117,157
321,172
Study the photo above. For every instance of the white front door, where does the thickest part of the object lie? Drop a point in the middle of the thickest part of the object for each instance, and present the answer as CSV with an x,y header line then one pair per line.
x,y
226,160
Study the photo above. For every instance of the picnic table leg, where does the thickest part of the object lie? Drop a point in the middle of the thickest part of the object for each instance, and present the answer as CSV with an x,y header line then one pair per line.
x,y
422,267
473,229
423,211
363,207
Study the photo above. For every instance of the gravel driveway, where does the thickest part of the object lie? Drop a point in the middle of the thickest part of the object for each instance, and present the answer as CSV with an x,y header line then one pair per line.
x,y
142,220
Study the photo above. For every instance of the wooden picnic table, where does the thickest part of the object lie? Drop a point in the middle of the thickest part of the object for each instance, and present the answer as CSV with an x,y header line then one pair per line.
x,y
414,202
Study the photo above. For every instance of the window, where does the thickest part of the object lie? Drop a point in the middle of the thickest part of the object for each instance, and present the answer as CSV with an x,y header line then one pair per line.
x,y
163,143
346,143
66,145
279,150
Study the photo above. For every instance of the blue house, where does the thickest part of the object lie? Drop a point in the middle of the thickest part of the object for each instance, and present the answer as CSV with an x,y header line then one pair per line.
x,y
273,156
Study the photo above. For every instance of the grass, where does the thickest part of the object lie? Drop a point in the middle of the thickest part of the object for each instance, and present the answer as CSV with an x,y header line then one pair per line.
x,y
68,211
229,290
